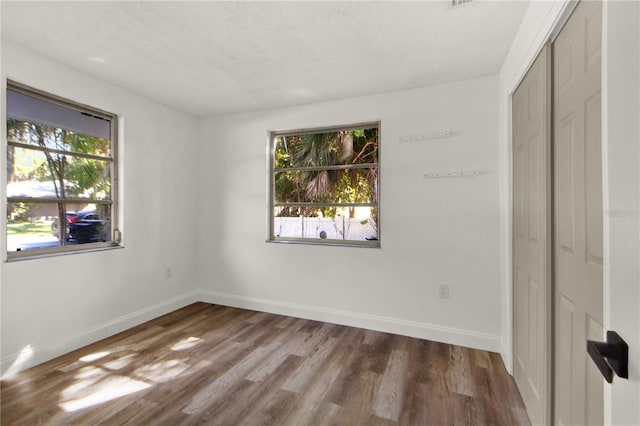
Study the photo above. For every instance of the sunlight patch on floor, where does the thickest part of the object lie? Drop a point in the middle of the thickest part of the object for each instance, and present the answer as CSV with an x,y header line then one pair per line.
x,y
96,385
162,371
90,372
111,388
77,387
187,343
121,362
94,356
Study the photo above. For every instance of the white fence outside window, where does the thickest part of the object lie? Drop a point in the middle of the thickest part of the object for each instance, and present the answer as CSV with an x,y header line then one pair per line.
x,y
339,228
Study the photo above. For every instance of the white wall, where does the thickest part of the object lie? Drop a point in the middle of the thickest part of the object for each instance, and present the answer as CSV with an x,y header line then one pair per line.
x,y
56,304
433,231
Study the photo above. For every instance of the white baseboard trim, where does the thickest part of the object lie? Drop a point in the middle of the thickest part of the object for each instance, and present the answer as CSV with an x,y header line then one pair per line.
x,y
507,358
420,330
31,356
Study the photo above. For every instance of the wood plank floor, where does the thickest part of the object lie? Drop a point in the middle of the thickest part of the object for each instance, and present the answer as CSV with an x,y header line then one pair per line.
x,y
209,364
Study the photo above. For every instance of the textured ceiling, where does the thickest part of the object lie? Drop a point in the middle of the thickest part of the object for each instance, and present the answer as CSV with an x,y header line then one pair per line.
x,y
217,57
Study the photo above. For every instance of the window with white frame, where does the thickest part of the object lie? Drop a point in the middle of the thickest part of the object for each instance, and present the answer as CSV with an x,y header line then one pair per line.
x,y
61,174
324,186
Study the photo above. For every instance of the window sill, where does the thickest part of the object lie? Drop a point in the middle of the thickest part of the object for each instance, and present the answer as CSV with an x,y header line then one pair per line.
x,y
36,254
327,243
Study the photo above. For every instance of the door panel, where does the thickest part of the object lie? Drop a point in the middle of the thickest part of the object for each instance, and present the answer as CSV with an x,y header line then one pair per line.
x,y
593,153
533,192
565,318
564,152
532,294
578,212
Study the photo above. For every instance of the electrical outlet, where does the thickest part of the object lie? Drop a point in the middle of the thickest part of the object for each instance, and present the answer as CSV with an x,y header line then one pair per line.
x,y
167,272
443,291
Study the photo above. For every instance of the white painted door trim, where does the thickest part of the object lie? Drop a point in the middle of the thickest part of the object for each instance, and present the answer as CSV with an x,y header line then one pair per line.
x,y
621,160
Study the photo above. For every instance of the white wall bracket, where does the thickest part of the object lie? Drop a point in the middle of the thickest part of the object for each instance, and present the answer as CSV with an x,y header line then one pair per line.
x,y
452,173
425,136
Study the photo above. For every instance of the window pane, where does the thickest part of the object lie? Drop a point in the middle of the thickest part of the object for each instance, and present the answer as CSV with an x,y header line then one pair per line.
x,y
330,223
365,146
39,174
30,226
36,225
22,107
354,146
326,186
52,137
89,224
